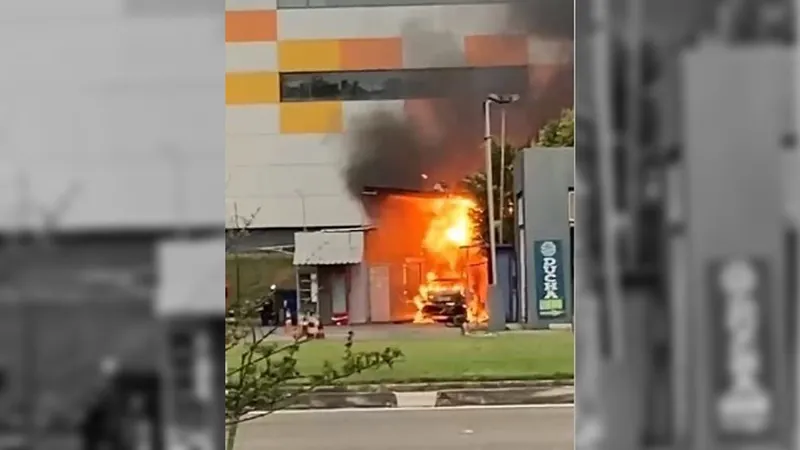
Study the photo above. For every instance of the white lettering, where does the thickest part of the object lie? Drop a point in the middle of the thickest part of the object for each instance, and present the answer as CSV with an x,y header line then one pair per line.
x,y
746,405
550,268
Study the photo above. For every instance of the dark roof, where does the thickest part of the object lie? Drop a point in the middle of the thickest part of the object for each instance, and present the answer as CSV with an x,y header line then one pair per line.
x,y
371,191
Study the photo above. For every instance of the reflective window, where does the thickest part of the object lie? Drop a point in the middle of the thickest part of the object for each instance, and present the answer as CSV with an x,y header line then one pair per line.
x,y
292,4
349,3
295,87
401,84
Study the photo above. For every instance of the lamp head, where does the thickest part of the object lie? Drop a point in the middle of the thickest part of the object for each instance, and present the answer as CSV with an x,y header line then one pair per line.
x,y
502,99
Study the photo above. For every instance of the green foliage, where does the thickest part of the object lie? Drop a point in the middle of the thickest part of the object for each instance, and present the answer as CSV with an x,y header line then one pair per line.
x,y
556,133
559,132
476,185
266,377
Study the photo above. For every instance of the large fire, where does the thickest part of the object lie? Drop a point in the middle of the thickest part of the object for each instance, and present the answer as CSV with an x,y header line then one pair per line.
x,y
449,251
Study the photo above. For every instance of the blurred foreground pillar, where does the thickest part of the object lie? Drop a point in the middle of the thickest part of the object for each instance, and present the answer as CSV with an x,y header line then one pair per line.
x,y
543,180
733,391
191,309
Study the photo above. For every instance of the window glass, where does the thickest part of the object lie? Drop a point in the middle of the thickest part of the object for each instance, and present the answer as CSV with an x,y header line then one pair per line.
x,y
350,3
382,85
293,4
401,84
295,87
325,87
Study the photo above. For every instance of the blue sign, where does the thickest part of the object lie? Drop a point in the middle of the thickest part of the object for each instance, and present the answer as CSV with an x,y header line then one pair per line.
x,y
549,269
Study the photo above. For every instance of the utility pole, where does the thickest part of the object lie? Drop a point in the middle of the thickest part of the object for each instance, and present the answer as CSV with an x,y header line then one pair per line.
x,y
29,334
502,196
179,200
633,158
303,206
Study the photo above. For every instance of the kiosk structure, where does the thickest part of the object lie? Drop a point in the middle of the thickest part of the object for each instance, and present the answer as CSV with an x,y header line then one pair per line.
x,y
543,187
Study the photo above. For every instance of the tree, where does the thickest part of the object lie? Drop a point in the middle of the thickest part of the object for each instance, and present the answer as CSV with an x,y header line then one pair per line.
x,y
476,185
556,133
264,376
559,132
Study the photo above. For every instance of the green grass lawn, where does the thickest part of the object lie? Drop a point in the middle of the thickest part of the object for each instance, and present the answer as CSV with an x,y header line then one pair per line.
x,y
511,356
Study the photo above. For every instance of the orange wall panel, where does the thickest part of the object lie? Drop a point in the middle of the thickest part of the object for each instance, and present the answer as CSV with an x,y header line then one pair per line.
x,y
375,54
493,50
309,55
250,26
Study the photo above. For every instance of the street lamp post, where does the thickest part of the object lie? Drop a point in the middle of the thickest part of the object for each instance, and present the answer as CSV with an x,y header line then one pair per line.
x,y
496,320
489,188
510,99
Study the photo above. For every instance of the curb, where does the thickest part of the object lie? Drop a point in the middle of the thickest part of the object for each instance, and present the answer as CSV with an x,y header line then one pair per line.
x,y
434,399
507,396
445,385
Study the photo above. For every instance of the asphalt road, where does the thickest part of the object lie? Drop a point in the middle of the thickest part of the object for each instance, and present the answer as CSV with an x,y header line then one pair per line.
x,y
528,428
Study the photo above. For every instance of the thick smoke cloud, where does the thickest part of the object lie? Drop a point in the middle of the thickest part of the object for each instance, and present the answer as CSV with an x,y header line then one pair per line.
x,y
546,18
442,138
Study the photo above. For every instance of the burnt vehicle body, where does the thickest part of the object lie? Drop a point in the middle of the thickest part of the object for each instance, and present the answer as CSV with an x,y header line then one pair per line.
x,y
446,302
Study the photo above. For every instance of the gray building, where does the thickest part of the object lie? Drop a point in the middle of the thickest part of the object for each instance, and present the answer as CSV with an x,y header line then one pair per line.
x,y
543,186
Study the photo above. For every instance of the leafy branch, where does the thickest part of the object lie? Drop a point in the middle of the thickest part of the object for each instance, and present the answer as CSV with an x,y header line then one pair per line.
x,y
266,377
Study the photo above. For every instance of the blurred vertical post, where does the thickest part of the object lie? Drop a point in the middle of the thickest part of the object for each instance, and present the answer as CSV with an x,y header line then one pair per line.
x,y
502,208
794,234
633,158
609,291
735,228
492,290
28,338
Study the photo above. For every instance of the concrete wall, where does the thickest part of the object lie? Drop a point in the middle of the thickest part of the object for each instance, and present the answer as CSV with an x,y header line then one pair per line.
x,y
287,158
358,298
734,217
542,180
97,101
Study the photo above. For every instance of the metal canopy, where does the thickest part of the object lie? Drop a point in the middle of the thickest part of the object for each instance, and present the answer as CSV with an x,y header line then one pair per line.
x,y
328,248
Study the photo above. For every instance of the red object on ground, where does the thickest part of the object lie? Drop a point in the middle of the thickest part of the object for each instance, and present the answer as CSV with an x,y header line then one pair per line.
x,y
340,319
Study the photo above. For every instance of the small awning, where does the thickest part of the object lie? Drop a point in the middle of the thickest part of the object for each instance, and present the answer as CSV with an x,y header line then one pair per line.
x,y
321,248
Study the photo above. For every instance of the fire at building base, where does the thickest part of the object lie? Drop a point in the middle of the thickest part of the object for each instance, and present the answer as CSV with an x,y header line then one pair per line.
x,y
453,263
422,261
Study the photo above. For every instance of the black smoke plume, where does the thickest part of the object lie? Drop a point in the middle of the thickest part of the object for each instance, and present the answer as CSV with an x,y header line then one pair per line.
x,y
442,140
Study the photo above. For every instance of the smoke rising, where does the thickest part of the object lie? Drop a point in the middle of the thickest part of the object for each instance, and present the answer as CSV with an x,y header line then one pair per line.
x,y
441,134
546,18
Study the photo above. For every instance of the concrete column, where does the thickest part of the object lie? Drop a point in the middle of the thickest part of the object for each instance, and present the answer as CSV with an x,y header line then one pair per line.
x,y
548,174
736,232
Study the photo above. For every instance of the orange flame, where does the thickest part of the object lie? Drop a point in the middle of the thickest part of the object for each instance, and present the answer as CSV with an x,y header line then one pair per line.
x,y
451,229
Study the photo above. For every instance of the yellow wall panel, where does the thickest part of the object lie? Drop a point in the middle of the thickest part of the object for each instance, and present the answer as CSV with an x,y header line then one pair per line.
x,y
249,88
309,55
311,117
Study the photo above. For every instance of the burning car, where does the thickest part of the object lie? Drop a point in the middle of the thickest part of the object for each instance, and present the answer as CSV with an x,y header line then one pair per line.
x,y
444,295
444,300
431,244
